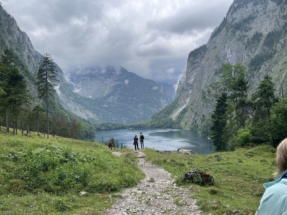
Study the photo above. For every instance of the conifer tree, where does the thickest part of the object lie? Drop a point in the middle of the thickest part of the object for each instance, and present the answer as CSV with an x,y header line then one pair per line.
x,y
17,94
263,100
14,88
234,78
46,81
219,122
37,110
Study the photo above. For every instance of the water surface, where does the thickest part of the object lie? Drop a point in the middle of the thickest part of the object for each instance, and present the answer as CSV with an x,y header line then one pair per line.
x,y
160,139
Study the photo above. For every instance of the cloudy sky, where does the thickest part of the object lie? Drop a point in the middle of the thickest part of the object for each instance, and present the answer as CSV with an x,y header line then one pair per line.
x,y
151,38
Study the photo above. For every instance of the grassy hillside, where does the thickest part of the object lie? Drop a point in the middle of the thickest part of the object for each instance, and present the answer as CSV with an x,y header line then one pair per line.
x,y
40,176
238,175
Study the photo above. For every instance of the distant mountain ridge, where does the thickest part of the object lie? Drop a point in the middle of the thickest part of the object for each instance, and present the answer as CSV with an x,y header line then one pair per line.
x,y
118,96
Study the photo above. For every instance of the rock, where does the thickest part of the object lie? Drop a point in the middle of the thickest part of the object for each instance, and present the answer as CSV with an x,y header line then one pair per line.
x,y
212,191
83,193
235,212
165,151
197,176
185,151
218,157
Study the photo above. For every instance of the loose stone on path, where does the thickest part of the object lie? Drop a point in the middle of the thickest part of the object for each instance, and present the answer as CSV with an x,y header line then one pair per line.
x,y
155,194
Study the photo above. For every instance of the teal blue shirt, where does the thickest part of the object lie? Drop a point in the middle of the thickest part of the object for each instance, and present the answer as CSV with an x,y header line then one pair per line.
x,y
274,199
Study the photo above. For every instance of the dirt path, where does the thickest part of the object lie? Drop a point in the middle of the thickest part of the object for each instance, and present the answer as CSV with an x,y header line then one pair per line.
x,y
154,195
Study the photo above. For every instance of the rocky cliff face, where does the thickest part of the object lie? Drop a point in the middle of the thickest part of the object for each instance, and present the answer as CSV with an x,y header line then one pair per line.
x,y
254,33
13,38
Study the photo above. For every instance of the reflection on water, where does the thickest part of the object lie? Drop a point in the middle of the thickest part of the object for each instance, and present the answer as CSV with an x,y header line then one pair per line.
x,y
160,139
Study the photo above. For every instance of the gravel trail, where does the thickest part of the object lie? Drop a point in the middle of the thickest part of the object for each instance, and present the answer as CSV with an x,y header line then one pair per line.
x,y
156,194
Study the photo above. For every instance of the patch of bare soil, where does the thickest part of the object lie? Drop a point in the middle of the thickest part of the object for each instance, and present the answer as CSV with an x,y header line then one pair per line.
x,y
155,194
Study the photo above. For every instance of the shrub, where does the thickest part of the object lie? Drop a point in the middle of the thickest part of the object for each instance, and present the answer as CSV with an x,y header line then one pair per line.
x,y
243,137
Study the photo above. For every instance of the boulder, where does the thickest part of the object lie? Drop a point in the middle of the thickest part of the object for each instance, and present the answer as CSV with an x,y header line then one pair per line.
x,y
197,176
186,151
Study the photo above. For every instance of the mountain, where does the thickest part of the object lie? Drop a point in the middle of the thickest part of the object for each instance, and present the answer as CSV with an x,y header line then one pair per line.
x,y
115,95
253,33
98,95
27,61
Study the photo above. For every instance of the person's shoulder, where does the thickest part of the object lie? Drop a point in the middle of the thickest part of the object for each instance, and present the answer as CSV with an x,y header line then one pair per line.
x,y
278,188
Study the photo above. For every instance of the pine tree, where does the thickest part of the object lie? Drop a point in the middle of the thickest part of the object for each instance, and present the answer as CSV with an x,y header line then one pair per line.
x,y
234,78
263,100
46,81
17,94
37,110
14,87
219,122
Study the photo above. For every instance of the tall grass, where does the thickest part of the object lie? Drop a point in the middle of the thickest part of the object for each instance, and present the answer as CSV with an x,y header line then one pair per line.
x,y
42,176
238,175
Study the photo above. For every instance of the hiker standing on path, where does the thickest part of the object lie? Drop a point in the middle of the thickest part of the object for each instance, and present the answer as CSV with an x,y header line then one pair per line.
x,y
110,146
136,143
142,140
274,199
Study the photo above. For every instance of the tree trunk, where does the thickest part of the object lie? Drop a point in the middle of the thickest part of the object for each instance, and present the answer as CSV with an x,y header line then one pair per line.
x,y
16,125
38,126
7,121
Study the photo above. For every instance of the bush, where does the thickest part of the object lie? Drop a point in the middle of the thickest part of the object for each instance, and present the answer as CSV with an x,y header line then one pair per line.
x,y
243,137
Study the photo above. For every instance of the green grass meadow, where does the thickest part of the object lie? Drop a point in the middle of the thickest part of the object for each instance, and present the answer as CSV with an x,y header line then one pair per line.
x,y
239,176
46,176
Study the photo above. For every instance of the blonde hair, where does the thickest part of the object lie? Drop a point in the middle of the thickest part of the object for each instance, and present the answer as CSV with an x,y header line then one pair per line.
x,y
281,157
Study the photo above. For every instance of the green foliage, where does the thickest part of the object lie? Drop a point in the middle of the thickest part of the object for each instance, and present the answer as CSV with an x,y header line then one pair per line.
x,y
219,122
263,100
243,138
46,81
238,176
13,86
279,120
235,82
53,171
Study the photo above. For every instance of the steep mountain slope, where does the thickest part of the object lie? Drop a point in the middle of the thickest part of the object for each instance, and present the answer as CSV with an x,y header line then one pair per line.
x,y
118,96
254,33
27,60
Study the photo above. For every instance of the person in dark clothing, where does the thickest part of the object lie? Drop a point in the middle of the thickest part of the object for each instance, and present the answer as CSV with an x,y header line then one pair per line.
x,y
110,146
136,143
142,140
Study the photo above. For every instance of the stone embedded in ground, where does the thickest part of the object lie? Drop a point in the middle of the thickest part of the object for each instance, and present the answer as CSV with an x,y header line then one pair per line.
x,y
186,151
197,176
83,193
212,191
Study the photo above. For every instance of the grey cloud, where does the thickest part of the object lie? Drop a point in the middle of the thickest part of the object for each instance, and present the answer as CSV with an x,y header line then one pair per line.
x,y
198,17
85,33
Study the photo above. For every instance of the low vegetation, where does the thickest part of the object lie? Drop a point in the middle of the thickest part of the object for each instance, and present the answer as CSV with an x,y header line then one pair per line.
x,y
61,176
238,176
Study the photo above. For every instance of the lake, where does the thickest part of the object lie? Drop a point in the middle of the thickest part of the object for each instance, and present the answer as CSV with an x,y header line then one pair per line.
x,y
160,139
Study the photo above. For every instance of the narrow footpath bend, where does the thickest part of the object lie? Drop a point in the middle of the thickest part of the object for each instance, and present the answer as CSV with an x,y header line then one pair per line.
x,y
155,194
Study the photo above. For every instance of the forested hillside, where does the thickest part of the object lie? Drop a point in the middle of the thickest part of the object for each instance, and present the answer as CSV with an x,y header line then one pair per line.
x,y
21,106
